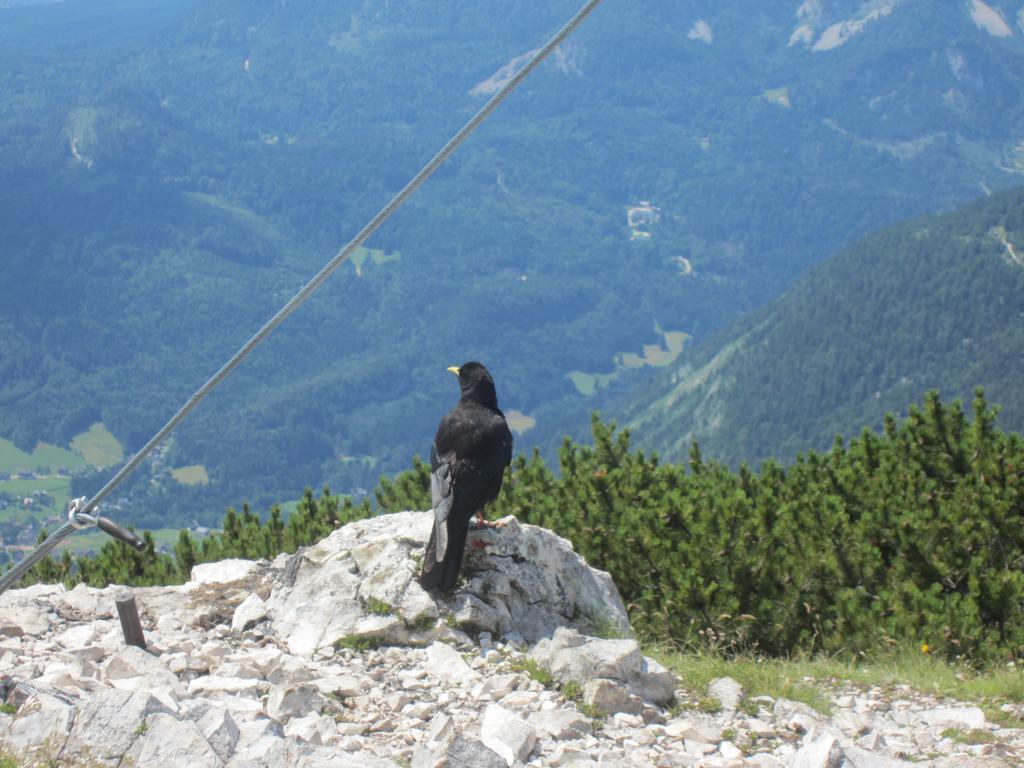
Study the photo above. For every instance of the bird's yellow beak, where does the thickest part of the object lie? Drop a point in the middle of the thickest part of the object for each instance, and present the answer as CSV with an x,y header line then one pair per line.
x,y
454,369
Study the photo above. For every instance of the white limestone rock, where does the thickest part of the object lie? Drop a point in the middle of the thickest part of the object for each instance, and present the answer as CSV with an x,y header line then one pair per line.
x,y
107,724
473,615
286,702
445,663
695,728
569,655
955,717
131,662
171,742
220,730
313,728
506,733
611,696
560,724
521,579
42,724
534,577
255,737
445,747
287,670
823,752
27,612
251,610
727,692
211,685
222,572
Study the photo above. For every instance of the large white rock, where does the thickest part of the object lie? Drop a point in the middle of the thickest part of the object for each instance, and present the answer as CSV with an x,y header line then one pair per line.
x,y
560,724
317,600
536,582
611,696
955,717
168,741
445,663
251,610
506,733
221,731
286,702
41,724
28,611
215,684
222,572
823,752
108,722
445,747
571,656
132,662
695,728
728,692
313,728
361,583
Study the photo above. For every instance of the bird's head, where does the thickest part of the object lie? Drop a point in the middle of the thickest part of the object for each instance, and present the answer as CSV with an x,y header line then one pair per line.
x,y
476,384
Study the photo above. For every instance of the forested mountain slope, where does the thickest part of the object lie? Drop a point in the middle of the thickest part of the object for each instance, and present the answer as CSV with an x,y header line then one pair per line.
x,y
935,303
172,171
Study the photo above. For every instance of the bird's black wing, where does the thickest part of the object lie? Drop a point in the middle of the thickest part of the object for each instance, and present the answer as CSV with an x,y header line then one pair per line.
x,y
442,485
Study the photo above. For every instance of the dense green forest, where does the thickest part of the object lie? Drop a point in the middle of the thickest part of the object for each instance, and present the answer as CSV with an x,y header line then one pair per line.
x,y
911,536
937,302
172,171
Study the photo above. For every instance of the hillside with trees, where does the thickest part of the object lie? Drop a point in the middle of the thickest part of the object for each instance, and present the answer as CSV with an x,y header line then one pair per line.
x,y
172,171
935,303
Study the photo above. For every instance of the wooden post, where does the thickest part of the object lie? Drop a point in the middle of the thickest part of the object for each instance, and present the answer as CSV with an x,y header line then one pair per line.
x,y
128,613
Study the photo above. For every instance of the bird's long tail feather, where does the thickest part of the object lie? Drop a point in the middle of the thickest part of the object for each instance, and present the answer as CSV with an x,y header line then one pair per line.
x,y
441,576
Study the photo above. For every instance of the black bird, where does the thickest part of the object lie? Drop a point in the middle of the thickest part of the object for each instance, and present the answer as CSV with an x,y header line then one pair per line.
x,y
471,449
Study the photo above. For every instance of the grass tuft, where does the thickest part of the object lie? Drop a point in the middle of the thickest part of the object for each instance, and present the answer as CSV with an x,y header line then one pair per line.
x,y
973,736
357,643
379,607
989,687
534,670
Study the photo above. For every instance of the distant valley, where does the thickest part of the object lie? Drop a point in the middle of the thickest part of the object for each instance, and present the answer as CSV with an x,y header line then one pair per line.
x,y
171,172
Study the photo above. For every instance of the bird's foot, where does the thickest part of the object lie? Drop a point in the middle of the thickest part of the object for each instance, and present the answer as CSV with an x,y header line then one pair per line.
x,y
482,523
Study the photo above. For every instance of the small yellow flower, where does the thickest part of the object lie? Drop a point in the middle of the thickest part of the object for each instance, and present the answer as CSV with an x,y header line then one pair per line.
x,y
925,648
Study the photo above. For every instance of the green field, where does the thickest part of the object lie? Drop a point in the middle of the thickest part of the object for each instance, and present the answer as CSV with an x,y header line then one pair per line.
x,y
13,459
519,422
655,355
93,448
194,474
98,447
56,486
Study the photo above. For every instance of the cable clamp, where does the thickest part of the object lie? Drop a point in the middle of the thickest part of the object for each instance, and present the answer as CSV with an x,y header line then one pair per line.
x,y
77,518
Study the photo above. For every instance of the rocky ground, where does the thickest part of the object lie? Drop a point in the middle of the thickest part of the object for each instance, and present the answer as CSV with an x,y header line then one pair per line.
x,y
334,658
